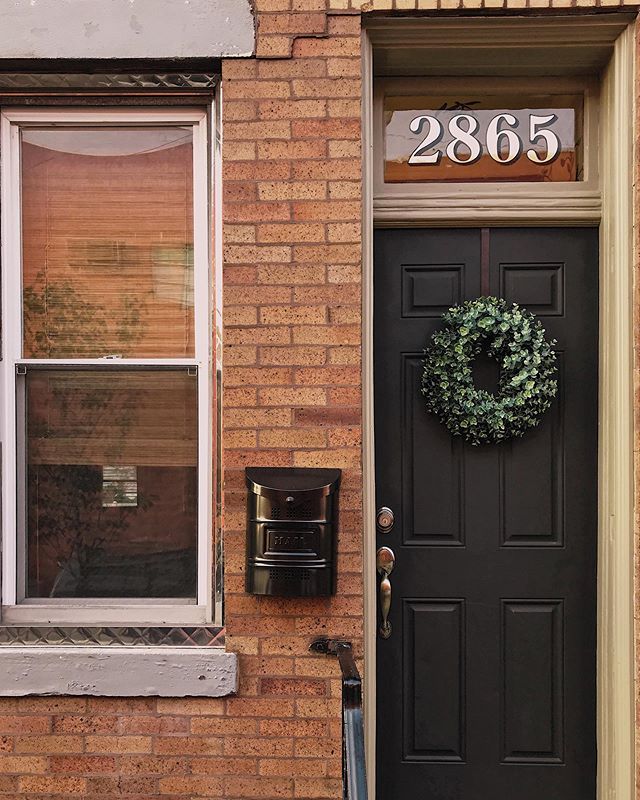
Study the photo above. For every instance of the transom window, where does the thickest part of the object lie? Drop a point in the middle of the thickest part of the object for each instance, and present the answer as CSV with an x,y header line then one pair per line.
x,y
106,366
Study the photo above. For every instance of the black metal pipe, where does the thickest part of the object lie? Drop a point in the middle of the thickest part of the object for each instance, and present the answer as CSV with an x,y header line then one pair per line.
x,y
354,773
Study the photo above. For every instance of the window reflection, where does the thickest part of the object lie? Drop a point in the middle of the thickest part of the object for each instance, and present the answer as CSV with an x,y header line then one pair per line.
x,y
107,218
86,431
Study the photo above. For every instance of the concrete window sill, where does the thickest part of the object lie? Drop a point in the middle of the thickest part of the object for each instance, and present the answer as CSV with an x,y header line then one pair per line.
x,y
118,671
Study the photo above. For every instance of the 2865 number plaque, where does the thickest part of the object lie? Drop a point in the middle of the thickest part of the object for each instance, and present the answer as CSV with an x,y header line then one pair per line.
x,y
482,138
502,138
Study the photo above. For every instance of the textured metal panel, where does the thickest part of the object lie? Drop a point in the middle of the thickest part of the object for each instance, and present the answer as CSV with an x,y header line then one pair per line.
x,y
23,80
199,636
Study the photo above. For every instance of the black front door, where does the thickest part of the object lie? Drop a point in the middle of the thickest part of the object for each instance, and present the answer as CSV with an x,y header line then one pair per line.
x,y
486,685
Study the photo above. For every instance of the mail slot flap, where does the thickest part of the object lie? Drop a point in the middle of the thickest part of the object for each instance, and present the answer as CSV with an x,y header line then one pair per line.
x,y
273,481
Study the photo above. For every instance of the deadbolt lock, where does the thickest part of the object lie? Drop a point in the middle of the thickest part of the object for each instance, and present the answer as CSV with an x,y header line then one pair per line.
x,y
384,519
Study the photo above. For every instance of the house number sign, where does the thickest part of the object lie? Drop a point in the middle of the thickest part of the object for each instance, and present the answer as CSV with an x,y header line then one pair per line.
x,y
428,139
502,139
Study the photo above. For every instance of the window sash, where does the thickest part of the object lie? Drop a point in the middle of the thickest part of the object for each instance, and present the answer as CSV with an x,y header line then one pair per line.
x,y
13,544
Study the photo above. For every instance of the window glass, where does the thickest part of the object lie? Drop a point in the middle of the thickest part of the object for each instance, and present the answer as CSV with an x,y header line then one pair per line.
x,y
107,232
111,482
468,137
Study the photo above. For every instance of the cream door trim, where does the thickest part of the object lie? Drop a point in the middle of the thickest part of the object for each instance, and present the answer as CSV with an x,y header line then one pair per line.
x,y
368,443
616,695
616,745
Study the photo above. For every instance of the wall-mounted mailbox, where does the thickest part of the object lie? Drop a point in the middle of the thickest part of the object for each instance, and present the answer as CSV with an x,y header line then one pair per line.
x,y
292,528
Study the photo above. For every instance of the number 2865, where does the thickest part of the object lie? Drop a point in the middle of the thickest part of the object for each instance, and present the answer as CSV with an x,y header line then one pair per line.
x,y
503,143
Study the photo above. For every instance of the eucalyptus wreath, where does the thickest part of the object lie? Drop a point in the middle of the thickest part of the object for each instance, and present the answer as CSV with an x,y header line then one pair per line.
x,y
527,362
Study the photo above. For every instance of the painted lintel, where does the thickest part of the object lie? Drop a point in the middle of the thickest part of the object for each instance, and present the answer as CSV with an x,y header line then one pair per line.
x,y
125,29
118,671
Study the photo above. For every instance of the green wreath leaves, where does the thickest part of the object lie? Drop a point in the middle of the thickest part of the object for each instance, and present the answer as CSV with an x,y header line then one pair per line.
x,y
527,384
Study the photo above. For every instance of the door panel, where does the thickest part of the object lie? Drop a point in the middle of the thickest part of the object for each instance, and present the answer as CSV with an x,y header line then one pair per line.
x,y
487,683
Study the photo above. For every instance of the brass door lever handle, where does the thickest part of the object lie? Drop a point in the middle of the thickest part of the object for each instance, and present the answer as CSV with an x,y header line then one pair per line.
x,y
385,561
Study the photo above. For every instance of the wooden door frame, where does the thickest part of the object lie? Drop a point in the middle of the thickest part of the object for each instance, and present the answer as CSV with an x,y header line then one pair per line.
x,y
615,648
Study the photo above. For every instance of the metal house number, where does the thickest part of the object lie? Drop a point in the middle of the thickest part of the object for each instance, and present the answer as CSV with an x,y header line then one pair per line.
x,y
501,139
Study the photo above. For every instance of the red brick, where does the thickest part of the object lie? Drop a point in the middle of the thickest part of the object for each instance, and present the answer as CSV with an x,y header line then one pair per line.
x,y
187,745
52,705
326,169
194,786
153,765
256,171
241,90
22,765
292,274
327,87
297,727
309,68
293,767
118,744
293,315
291,438
274,46
224,766
293,355
25,723
53,785
239,192
318,788
83,764
272,5
323,129
240,110
259,787
262,746
292,686
291,232
292,23
344,25
330,211
330,47
237,68
333,253
256,212
291,150
85,724
223,726
49,744
292,109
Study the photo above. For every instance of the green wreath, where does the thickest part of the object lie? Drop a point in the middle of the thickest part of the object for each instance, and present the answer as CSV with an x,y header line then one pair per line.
x,y
527,383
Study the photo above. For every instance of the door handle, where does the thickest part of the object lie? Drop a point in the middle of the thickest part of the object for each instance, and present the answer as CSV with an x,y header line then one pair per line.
x,y
385,561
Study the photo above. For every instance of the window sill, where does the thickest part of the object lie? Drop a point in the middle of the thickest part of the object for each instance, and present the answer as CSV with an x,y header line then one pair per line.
x,y
118,671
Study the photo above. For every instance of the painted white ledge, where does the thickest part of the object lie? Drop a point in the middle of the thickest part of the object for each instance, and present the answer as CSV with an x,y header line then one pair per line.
x,y
118,671
126,29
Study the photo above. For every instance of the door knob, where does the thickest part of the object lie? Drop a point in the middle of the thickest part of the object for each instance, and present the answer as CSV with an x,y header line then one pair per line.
x,y
385,561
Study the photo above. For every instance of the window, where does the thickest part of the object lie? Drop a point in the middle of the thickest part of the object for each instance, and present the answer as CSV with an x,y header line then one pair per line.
x,y
106,378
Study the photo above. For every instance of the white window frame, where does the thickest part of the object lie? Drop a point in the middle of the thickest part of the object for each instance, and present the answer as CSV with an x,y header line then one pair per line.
x,y
141,611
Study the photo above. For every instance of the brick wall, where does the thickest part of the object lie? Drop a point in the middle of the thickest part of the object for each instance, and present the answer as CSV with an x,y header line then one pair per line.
x,y
292,378
292,397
